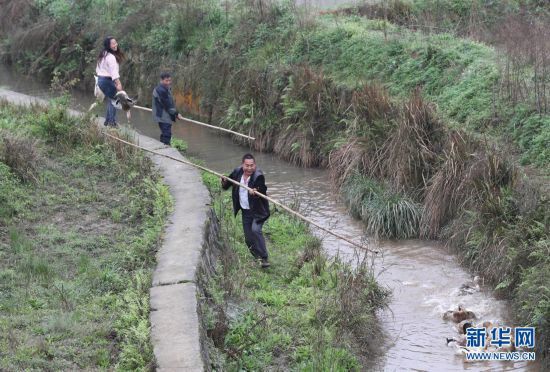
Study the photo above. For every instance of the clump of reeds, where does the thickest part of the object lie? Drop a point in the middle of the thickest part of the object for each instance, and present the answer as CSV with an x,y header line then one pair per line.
x,y
312,253
123,152
445,192
368,124
356,190
407,157
386,214
355,299
392,216
351,157
487,209
370,103
311,102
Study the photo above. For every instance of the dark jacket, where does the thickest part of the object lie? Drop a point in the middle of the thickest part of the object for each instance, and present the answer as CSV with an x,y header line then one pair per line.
x,y
258,206
164,108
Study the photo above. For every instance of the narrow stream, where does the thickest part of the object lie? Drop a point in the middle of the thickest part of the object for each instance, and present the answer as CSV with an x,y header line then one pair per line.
x,y
424,278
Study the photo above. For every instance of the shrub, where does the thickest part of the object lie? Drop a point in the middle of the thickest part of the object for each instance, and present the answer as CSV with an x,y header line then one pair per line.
x,y
55,124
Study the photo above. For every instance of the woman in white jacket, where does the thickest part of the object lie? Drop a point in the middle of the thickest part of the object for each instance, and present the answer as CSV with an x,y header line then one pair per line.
x,y
107,71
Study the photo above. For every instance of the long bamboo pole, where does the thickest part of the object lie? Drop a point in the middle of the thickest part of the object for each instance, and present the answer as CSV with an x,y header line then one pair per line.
x,y
297,214
203,124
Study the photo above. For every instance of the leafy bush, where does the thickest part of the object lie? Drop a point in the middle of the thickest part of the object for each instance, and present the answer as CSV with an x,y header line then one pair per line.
x,y
56,125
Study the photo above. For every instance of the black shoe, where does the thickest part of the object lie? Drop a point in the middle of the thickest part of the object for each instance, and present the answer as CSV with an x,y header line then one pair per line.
x,y
265,263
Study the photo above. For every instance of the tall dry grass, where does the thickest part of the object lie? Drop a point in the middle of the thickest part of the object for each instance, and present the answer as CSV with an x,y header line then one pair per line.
x,y
526,72
444,191
353,156
408,156
21,154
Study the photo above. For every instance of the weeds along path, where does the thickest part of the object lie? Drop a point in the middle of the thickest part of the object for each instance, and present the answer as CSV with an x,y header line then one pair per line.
x,y
174,319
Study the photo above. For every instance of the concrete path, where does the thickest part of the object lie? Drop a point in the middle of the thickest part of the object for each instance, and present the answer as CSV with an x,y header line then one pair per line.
x,y
174,319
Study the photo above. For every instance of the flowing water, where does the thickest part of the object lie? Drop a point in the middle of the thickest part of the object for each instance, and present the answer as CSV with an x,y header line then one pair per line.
x,y
423,277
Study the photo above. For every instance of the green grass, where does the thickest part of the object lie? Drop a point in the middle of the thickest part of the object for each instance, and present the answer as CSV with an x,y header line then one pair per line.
x,y
75,279
179,145
458,75
532,133
296,315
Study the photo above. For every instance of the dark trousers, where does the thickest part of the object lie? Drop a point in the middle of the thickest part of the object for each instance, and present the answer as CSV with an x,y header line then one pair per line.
x,y
253,235
165,133
107,86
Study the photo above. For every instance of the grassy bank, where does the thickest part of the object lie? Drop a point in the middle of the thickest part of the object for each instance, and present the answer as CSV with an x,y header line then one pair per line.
x,y
80,220
304,313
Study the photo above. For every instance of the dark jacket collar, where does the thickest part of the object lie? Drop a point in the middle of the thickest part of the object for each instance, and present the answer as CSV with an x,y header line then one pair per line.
x,y
257,173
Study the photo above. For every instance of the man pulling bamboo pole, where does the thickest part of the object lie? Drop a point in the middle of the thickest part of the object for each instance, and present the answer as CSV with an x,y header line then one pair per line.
x,y
271,200
254,209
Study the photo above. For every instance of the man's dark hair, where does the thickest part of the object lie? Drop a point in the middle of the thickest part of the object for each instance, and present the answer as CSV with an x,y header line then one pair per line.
x,y
165,75
248,156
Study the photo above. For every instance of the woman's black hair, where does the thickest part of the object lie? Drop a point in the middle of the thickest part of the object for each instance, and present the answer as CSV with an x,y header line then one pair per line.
x,y
119,55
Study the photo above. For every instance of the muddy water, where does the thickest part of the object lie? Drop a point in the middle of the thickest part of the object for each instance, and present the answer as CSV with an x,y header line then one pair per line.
x,y
423,277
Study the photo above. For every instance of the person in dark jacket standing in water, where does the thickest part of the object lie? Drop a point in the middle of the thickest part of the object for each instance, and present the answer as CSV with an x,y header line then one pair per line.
x,y
164,108
254,209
